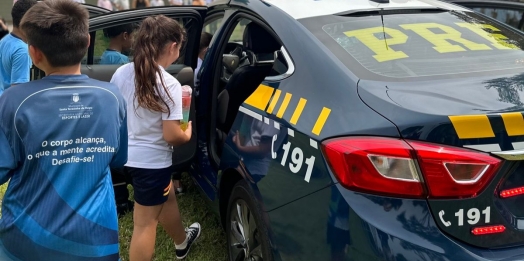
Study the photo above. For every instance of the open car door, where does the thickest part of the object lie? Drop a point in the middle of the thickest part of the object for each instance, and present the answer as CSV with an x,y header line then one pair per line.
x,y
192,17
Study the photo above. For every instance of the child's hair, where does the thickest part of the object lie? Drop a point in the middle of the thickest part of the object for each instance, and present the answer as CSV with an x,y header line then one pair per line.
x,y
58,28
154,34
115,31
205,40
19,9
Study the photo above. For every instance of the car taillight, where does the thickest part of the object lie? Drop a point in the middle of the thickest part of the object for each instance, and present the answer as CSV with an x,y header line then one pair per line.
x,y
479,231
388,166
512,192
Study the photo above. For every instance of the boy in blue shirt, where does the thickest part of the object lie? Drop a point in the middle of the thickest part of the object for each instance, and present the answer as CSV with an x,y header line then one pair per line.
x,y
59,136
15,63
121,40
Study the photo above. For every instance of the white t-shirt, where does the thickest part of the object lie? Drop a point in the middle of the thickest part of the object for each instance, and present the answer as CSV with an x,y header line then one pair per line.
x,y
147,147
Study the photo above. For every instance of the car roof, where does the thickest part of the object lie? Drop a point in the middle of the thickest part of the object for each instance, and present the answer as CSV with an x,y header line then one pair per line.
x,y
300,9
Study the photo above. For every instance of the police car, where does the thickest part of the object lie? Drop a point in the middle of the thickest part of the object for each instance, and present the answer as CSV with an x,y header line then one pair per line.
x,y
352,130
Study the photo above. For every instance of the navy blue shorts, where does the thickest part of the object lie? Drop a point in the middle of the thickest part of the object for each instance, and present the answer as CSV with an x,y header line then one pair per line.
x,y
151,186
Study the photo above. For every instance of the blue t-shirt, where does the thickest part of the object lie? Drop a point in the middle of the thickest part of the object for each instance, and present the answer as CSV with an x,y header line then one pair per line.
x,y
59,136
15,63
113,57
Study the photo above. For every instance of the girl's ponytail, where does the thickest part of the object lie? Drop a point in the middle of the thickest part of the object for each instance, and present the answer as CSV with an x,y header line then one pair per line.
x,y
152,37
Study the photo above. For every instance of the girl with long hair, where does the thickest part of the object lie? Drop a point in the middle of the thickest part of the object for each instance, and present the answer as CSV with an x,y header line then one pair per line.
x,y
154,105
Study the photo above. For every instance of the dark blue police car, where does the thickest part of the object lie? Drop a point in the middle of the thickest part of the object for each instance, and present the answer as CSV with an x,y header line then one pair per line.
x,y
353,130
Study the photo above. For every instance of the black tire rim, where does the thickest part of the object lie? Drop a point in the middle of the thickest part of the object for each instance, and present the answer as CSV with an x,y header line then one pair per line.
x,y
244,236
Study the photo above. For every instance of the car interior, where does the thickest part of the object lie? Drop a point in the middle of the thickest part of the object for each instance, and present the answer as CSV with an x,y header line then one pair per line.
x,y
244,67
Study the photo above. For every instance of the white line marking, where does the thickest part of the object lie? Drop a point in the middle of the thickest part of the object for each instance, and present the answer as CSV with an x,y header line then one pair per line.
x,y
290,132
266,120
251,113
485,147
313,143
277,125
518,145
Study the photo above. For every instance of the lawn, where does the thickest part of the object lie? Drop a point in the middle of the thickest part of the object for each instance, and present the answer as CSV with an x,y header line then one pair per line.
x,y
211,245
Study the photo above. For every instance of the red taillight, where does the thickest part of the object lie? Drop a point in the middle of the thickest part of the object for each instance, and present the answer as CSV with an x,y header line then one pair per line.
x,y
389,166
454,172
478,231
512,192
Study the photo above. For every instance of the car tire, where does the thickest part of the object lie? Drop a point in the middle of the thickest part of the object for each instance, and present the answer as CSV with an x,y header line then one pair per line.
x,y
244,213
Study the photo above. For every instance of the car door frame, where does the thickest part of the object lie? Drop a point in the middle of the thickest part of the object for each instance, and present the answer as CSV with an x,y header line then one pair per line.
x,y
184,154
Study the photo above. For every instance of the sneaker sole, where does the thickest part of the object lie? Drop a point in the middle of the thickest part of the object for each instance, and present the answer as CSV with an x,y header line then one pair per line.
x,y
189,249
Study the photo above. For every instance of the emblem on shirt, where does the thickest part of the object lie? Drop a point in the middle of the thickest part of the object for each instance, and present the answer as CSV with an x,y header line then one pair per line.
x,y
75,97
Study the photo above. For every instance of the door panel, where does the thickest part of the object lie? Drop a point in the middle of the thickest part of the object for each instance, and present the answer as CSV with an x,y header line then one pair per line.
x,y
104,72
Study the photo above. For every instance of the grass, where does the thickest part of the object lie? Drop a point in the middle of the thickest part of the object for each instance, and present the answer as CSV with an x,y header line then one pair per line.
x,y
210,246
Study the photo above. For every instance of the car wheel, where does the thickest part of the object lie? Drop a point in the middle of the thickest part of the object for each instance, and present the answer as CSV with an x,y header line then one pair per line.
x,y
247,235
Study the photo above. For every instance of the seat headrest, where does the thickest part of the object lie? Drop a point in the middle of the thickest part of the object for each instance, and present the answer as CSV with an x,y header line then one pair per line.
x,y
258,40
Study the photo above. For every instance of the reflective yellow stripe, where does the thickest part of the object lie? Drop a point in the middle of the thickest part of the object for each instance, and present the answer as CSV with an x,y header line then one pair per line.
x,y
472,126
283,106
274,101
260,98
298,111
322,118
514,123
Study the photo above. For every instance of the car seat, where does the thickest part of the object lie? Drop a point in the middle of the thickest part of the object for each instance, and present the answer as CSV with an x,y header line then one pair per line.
x,y
245,79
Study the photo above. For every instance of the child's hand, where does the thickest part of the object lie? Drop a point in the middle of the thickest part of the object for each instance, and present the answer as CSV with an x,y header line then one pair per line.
x,y
189,130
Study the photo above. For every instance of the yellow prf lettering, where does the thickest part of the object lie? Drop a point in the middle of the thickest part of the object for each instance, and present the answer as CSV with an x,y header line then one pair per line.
x,y
496,39
379,46
441,41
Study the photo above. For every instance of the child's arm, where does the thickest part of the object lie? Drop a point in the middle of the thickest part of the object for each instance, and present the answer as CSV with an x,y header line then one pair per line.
x,y
173,133
7,160
20,67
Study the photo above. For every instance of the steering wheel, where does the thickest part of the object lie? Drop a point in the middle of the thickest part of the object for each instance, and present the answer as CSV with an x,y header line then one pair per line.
x,y
235,49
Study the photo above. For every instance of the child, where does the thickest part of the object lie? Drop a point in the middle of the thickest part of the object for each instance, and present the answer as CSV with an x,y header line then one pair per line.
x,y
155,111
15,63
58,138
121,40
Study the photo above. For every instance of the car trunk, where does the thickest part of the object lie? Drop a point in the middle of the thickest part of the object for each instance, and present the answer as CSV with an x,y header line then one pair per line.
x,y
480,113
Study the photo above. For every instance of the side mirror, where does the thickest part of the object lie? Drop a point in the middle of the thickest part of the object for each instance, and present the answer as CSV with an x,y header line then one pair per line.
x,y
230,61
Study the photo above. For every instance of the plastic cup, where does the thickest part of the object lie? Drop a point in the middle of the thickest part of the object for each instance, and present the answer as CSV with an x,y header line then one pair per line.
x,y
186,106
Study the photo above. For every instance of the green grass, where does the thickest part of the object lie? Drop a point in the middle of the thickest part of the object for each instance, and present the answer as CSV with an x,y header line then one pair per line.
x,y
210,246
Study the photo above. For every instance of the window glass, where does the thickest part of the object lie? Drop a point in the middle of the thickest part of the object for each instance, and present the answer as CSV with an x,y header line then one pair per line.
x,y
212,27
113,45
511,17
238,33
424,44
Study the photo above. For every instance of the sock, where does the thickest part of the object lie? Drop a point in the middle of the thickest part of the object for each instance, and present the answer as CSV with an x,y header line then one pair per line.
x,y
183,245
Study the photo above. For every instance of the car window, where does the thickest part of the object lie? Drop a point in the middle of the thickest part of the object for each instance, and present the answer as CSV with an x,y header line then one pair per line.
x,y
212,27
238,33
415,45
113,45
237,39
508,16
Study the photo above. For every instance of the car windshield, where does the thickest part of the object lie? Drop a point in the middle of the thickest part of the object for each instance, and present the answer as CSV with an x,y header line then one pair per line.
x,y
419,44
